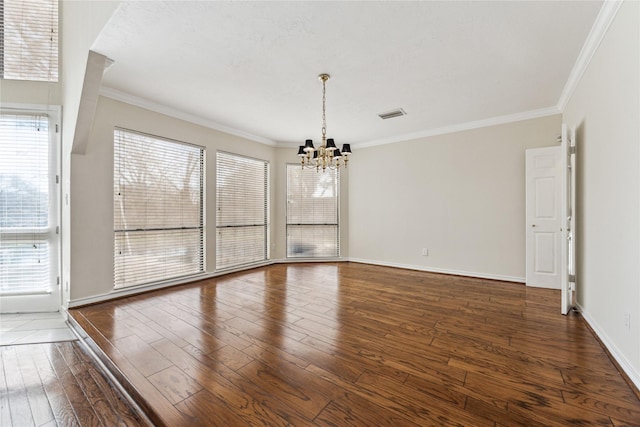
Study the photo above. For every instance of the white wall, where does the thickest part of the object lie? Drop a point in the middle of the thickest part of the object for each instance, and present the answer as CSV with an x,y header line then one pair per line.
x,y
605,109
460,195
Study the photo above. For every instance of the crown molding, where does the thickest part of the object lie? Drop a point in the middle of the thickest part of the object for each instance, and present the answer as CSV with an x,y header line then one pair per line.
x,y
493,121
178,114
172,112
600,26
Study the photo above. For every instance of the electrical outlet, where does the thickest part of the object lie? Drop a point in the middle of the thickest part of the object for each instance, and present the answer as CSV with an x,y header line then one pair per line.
x,y
425,252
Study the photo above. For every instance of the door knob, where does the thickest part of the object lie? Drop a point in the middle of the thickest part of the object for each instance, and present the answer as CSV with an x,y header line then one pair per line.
x,y
533,225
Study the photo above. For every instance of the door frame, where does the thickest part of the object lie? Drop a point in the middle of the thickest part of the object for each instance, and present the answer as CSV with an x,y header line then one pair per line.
x,y
568,288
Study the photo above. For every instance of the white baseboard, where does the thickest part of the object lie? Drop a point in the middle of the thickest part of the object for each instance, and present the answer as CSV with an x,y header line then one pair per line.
x,y
124,292
441,270
626,366
308,260
119,293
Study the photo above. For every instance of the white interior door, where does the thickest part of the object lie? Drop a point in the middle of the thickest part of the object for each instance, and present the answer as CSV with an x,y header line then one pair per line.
x,y
543,217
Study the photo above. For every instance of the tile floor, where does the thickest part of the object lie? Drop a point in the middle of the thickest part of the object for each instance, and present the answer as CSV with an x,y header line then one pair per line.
x,y
33,328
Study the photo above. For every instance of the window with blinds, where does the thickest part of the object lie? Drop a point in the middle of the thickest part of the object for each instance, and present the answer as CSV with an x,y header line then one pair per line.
x,y
242,226
26,223
157,209
312,213
29,40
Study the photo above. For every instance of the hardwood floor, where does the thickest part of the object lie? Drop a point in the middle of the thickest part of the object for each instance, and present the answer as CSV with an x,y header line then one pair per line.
x,y
56,384
350,344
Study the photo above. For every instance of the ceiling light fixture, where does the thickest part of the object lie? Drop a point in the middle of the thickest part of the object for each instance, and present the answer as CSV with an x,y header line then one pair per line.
x,y
327,155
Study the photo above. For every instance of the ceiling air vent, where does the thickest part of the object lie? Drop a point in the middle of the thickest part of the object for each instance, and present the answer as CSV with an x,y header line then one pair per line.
x,y
391,114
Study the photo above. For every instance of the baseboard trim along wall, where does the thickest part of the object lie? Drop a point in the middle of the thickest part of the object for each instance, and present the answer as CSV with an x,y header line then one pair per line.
x,y
624,364
120,293
442,270
125,292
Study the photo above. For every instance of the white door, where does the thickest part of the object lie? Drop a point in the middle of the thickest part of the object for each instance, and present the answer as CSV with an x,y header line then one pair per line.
x,y
543,220
568,149
29,186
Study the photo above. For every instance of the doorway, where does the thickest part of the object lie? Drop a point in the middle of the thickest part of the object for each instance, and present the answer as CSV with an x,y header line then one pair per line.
x,y
550,218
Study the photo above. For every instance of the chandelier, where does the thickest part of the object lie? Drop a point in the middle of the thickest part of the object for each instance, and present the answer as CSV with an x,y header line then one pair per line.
x,y
327,155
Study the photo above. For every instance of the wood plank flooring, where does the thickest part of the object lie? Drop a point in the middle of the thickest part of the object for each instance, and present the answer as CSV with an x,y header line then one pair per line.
x,y
346,344
57,384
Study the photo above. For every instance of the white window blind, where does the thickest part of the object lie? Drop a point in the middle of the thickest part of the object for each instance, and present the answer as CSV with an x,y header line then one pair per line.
x,y
29,40
312,213
25,186
158,209
242,218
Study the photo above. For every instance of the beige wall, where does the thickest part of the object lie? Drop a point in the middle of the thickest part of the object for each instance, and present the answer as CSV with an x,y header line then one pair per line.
x,y
605,109
28,92
91,234
92,189
80,22
460,195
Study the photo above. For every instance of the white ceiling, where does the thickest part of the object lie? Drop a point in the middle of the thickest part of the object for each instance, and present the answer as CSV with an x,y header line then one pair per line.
x,y
253,66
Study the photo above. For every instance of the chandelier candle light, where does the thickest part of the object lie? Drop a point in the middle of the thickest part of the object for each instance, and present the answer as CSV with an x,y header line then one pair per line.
x,y
327,155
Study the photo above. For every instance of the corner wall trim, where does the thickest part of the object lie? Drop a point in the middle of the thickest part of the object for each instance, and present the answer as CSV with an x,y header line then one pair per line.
x,y
622,361
600,26
442,270
88,101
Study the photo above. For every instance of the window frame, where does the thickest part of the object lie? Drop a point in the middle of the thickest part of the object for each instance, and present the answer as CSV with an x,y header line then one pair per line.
x,y
45,299
296,166
201,228
266,218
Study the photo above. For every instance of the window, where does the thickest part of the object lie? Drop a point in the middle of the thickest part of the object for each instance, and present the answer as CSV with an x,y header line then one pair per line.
x,y
28,209
157,209
312,213
29,40
242,228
